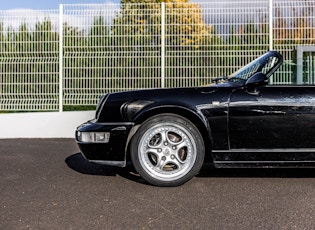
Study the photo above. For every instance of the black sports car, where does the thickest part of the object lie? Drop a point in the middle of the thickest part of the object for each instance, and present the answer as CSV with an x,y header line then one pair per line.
x,y
240,121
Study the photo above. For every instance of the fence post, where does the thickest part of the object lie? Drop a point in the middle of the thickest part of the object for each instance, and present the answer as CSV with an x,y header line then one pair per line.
x,y
163,44
270,24
271,31
60,58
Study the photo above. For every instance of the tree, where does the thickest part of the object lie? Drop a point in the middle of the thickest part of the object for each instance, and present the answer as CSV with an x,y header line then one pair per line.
x,y
290,32
184,23
186,38
99,34
298,29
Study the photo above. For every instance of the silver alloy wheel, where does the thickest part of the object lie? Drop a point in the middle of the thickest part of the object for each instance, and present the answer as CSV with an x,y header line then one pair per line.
x,y
167,151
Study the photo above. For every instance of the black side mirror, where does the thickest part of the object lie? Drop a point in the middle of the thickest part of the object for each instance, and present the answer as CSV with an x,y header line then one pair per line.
x,y
258,79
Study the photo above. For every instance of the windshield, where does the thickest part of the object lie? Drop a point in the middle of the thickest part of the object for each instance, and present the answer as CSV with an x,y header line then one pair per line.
x,y
265,64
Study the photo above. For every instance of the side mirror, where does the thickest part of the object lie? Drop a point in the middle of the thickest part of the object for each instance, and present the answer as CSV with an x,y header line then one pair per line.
x,y
258,79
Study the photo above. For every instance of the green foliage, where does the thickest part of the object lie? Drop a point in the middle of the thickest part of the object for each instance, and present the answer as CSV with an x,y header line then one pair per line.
x,y
24,74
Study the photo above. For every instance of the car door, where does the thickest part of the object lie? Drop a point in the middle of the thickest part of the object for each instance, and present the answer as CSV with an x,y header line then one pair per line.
x,y
277,119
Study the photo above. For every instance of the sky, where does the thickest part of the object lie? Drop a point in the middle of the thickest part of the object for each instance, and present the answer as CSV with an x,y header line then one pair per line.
x,y
45,4
54,4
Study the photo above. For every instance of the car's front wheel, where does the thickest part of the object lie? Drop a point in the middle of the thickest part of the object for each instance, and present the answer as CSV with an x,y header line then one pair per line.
x,y
167,150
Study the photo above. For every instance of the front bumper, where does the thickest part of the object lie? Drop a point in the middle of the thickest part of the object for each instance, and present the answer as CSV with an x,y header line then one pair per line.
x,y
107,142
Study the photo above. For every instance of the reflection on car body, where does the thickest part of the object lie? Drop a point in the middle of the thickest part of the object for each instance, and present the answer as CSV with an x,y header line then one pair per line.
x,y
239,122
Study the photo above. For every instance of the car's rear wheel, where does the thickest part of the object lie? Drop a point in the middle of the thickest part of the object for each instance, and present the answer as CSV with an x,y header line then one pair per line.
x,y
167,150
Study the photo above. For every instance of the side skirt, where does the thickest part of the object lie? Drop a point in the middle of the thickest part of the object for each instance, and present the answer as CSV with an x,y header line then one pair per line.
x,y
266,158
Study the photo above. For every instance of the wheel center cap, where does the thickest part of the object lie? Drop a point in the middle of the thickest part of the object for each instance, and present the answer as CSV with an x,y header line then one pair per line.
x,y
167,152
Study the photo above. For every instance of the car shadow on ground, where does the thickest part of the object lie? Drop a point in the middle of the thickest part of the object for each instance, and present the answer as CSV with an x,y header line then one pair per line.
x,y
77,163
210,171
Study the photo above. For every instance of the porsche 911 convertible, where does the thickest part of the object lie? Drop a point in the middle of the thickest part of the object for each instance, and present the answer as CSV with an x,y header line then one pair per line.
x,y
240,121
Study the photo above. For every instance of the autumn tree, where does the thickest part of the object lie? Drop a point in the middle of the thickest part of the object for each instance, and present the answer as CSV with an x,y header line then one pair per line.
x,y
186,38
293,31
298,29
184,23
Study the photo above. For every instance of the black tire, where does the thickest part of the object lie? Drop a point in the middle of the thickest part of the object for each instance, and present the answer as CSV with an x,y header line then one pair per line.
x,y
167,150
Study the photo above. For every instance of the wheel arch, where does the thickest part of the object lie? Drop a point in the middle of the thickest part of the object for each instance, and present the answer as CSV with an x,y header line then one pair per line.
x,y
197,119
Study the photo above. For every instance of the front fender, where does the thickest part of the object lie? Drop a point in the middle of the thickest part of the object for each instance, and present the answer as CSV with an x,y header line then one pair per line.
x,y
197,118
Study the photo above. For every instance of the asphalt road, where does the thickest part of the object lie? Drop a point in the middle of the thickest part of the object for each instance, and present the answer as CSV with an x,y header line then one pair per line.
x,y
46,184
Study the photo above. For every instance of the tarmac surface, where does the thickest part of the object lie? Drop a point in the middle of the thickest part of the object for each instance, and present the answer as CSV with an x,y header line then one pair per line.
x,y
46,184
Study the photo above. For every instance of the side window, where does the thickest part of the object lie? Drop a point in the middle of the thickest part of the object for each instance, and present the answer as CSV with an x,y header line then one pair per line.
x,y
247,73
266,64
270,63
297,69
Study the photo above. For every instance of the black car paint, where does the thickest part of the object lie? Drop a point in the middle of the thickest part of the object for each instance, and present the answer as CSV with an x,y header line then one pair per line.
x,y
281,117
112,153
241,126
278,126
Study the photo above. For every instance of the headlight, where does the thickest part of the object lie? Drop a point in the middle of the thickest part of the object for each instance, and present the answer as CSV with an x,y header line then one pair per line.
x,y
93,137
